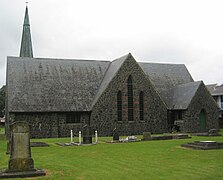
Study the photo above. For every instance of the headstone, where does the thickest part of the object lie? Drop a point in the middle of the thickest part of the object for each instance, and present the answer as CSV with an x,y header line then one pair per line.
x,y
87,137
20,163
115,135
146,136
20,155
213,132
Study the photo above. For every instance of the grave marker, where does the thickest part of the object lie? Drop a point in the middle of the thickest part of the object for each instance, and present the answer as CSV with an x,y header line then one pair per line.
x,y
87,137
115,135
20,163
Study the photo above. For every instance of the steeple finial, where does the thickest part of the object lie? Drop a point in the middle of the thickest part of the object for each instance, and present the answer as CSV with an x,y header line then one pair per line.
x,y
26,44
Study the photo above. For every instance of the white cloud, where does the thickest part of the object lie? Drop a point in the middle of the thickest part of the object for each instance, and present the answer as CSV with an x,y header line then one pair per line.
x,y
185,31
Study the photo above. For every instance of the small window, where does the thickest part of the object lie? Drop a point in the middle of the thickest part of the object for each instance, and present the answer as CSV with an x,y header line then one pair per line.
x,y
119,105
73,118
141,105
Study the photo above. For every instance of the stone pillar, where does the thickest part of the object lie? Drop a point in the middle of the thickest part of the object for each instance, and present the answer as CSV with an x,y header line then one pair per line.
x,y
71,136
20,151
79,137
96,136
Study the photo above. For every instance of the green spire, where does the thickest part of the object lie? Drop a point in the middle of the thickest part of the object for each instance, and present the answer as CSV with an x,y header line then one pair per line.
x,y
26,44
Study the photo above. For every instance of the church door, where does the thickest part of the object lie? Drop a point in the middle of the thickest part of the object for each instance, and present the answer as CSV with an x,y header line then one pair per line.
x,y
202,118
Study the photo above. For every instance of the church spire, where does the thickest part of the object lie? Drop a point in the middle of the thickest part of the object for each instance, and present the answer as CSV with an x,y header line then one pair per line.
x,y
26,44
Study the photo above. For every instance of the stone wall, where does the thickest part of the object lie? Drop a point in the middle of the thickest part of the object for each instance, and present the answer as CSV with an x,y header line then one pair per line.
x,y
46,125
104,113
201,100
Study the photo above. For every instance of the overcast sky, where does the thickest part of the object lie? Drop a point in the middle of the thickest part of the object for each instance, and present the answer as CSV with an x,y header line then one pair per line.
x,y
170,31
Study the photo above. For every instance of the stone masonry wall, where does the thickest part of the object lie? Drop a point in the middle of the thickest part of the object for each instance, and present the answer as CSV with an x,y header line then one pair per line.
x,y
48,125
201,100
104,113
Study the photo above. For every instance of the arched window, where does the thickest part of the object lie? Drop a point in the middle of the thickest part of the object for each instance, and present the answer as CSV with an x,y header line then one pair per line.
x,y
130,98
119,105
141,106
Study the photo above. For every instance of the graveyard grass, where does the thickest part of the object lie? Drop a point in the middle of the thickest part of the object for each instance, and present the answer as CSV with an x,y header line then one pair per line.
x,y
139,160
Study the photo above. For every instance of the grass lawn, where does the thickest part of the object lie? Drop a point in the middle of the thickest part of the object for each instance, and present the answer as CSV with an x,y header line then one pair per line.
x,y
140,160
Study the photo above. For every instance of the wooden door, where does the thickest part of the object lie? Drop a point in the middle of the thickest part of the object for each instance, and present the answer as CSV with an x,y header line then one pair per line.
x,y
202,120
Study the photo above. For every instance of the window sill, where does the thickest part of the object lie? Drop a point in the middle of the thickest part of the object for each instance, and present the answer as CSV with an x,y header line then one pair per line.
x,y
131,122
74,123
120,122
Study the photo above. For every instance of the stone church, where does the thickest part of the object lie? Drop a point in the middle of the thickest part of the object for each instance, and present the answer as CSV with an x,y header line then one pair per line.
x,y
57,95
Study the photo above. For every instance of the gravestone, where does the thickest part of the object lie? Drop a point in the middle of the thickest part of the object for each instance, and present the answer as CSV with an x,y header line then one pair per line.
x,y
213,132
87,137
20,163
115,135
204,145
146,136
20,154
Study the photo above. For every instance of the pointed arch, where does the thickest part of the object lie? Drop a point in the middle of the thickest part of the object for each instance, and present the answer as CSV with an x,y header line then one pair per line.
x,y
119,105
130,98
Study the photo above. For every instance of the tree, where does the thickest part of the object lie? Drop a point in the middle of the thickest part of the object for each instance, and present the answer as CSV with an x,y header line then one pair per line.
x,y
2,101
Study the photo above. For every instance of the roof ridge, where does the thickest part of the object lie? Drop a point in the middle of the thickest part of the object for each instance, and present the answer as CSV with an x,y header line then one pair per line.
x,y
59,59
121,57
159,63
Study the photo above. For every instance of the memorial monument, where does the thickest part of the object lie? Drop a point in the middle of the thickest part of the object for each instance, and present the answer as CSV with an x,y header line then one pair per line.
x,y
20,163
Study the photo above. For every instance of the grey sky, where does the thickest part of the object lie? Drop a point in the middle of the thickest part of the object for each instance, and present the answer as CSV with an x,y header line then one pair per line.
x,y
173,31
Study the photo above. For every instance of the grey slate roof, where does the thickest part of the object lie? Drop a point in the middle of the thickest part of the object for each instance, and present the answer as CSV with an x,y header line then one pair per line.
x,y
215,89
26,43
183,94
39,85
165,77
